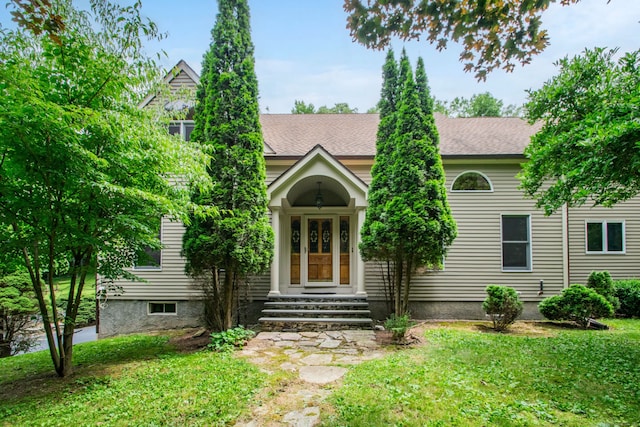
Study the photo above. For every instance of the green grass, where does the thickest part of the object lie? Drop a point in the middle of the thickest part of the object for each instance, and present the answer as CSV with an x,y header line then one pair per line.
x,y
133,380
469,378
64,282
461,376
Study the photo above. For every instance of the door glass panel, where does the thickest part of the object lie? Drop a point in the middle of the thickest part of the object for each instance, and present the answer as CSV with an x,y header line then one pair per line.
x,y
295,250
313,236
344,250
326,237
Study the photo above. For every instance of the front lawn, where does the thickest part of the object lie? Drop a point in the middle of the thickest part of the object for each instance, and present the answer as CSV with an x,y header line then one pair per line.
x,y
132,380
461,377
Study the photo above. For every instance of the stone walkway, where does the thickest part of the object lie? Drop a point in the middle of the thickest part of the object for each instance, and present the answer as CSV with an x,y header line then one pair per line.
x,y
311,365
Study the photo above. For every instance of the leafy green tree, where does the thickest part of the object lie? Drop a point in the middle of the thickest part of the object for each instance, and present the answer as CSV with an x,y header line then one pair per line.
x,y
493,33
85,174
411,225
587,147
479,105
339,108
223,250
300,107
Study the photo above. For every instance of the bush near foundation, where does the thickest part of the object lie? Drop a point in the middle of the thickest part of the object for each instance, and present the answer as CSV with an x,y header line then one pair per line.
x,y
502,305
601,282
628,293
578,304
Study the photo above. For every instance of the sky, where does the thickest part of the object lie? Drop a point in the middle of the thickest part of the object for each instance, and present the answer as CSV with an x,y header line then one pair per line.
x,y
303,50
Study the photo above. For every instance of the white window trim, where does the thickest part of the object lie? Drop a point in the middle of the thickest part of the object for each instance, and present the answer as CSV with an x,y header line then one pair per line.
x,y
530,247
605,242
182,123
153,267
149,313
472,191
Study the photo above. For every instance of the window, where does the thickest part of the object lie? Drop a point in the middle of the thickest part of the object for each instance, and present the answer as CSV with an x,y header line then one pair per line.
x,y
605,237
516,243
152,258
471,181
163,308
182,128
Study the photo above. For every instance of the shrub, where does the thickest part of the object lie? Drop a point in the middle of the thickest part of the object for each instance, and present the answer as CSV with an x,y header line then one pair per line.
x,y
228,340
86,310
553,308
18,307
502,305
398,325
601,282
628,293
576,303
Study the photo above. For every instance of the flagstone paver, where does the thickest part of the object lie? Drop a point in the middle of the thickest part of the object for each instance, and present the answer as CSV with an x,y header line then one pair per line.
x,y
318,361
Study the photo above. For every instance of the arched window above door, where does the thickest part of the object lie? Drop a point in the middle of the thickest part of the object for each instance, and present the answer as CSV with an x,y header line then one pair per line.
x,y
472,181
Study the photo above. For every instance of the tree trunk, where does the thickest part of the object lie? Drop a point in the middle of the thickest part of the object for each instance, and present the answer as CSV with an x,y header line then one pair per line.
x,y
398,285
228,299
5,348
66,356
407,286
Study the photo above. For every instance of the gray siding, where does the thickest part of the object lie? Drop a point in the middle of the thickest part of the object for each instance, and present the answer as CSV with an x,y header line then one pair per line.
x,y
475,258
170,281
621,266
181,82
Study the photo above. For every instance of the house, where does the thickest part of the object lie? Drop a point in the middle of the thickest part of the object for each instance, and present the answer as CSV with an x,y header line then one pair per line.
x,y
318,171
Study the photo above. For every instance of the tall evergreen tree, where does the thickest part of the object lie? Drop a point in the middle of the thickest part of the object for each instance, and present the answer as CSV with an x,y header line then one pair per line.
x,y
371,246
222,250
412,225
426,101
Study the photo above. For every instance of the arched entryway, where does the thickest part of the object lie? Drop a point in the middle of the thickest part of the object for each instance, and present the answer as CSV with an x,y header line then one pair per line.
x,y
317,209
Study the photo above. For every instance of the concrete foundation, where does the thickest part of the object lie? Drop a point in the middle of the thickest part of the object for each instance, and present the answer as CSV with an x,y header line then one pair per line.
x,y
126,316
449,310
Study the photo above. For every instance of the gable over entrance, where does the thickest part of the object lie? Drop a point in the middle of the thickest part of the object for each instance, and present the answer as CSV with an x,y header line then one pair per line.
x,y
317,208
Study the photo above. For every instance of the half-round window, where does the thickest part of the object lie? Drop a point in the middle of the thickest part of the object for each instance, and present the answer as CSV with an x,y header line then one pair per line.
x,y
471,181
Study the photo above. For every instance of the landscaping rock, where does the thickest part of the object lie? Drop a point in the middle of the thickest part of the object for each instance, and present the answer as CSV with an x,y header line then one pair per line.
x,y
308,417
321,374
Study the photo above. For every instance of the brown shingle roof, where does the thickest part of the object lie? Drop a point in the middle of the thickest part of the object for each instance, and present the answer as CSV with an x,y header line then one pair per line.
x,y
345,135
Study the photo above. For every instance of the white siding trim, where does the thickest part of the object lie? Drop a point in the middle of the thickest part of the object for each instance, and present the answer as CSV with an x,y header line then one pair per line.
x,y
605,242
566,260
149,313
530,246
472,191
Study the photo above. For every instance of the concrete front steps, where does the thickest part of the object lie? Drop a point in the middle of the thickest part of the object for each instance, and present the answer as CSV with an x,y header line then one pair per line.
x,y
312,312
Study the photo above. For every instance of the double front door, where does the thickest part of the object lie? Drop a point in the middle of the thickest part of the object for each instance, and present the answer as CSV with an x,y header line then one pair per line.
x,y
320,251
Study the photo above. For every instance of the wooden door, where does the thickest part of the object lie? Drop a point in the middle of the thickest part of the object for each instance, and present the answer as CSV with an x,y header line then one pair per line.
x,y
320,242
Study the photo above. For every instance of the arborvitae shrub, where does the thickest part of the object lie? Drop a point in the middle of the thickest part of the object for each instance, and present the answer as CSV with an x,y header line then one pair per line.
x,y
578,304
628,293
601,282
502,305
